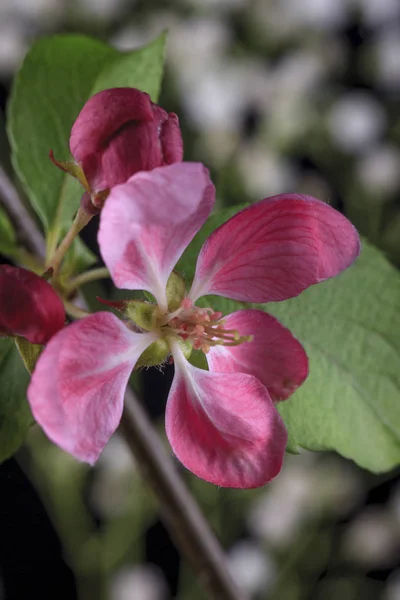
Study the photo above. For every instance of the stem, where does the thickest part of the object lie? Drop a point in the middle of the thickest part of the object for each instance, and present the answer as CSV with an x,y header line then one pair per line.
x,y
74,311
87,277
189,527
82,218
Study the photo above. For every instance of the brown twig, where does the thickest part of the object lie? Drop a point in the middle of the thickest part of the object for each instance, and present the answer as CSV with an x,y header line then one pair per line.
x,y
28,230
187,524
190,529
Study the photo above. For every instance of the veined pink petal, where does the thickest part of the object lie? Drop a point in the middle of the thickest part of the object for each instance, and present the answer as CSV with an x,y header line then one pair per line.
x,y
274,356
223,426
77,389
275,249
148,221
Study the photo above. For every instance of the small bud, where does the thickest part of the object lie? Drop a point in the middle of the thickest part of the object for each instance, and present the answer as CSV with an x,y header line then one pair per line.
x,y
29,306
119,132
176,290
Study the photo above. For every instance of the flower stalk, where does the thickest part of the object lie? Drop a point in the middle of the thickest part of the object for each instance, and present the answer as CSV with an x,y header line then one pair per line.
x,y
82,218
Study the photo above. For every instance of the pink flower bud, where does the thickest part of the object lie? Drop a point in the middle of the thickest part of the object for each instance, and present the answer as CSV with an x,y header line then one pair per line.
x,y
120,132
29,307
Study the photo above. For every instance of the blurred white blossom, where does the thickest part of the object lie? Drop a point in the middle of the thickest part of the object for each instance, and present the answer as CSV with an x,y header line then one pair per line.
x,y
102,9
144,582
319,14
356,121
372,539
379,170
387,53
220,5
252,569
13,46
278,515
264,172
116,470
376,12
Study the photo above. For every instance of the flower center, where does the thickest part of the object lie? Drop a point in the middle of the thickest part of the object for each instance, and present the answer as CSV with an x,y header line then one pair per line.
x,y
202,327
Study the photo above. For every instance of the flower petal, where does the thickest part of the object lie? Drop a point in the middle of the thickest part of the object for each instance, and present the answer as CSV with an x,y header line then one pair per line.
x,y
147,223
103,114
77,389
171,140
275,249
224,427
136,148
29,306
274,356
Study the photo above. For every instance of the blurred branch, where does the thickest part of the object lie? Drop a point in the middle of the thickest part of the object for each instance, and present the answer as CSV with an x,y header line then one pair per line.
x,y
188,526
190,529
29,232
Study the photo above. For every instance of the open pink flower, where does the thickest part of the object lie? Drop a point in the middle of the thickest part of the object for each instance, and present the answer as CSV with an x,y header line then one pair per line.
x,y
222,423
29,307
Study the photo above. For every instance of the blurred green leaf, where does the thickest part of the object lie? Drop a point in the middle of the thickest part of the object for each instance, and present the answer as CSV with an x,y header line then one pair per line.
x,y
58,75
350,327
15,415
8,242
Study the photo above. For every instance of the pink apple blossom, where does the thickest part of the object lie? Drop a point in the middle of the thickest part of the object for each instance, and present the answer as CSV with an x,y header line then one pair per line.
x,y
29,306
222,423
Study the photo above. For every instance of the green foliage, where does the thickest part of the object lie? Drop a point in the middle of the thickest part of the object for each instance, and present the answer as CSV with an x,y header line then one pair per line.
x,y
15,415
57,77
350,328
8,242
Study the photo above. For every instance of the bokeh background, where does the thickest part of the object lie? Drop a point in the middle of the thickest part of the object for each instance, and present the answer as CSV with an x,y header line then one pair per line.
x,y
273,96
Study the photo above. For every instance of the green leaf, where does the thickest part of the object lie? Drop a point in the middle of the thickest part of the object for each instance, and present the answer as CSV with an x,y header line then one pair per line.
x,y
8,242
350,327
57,77
15,415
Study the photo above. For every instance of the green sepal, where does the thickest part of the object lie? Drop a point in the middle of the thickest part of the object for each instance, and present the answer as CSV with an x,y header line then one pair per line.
x,y
28,352
154,355
73,169
176,291
142,313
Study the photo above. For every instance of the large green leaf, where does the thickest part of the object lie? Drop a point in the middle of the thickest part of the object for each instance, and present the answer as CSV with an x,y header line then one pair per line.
x,y
15,415
57,76
350,327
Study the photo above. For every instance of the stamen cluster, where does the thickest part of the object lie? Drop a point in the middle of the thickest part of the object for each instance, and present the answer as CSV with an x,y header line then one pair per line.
x,y
202,327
